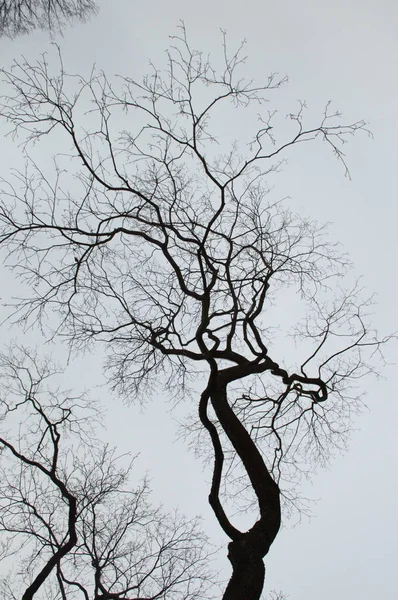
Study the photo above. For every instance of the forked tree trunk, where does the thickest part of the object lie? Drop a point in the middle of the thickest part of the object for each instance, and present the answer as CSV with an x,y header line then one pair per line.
x,y
247,550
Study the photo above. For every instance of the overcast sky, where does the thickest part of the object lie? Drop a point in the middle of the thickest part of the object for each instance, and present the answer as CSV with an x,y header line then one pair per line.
x,y
346,51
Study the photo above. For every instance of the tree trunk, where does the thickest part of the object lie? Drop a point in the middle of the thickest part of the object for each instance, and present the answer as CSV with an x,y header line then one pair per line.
x,y
246,551
248,571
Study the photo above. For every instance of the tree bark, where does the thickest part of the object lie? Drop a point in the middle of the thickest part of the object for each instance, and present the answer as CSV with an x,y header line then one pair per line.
x,y
248,571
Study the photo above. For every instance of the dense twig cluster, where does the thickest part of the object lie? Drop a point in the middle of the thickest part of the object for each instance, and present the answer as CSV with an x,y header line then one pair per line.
x,y
23,16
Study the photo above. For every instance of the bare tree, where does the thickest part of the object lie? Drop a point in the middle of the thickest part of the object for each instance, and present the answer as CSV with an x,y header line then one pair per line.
x,y
24,16
68,519
174,254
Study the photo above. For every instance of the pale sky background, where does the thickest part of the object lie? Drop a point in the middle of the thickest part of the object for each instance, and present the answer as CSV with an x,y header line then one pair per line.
x,y
346,51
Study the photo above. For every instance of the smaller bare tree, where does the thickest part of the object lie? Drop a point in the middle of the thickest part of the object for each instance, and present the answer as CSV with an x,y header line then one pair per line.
x,y
68,518
24,16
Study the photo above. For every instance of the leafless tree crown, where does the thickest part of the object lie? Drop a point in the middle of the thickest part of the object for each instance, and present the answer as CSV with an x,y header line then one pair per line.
x,y
69,520
23,16
173,253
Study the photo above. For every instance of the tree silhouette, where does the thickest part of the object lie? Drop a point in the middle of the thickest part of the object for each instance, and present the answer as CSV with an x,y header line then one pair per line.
x,y
69,520
174,255
24,16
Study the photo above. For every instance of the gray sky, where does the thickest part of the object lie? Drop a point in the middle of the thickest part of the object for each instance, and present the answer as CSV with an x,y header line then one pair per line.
x,y
344,51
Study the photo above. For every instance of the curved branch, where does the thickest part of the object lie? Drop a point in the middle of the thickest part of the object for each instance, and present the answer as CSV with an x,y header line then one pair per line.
x,y
214,496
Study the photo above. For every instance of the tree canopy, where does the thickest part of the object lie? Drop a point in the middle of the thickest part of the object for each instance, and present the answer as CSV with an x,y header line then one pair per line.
x,y
24,16
68,512
173,254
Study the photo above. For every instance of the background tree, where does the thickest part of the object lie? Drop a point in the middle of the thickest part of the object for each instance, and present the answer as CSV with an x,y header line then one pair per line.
x,y
69,521
173,254
24,16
